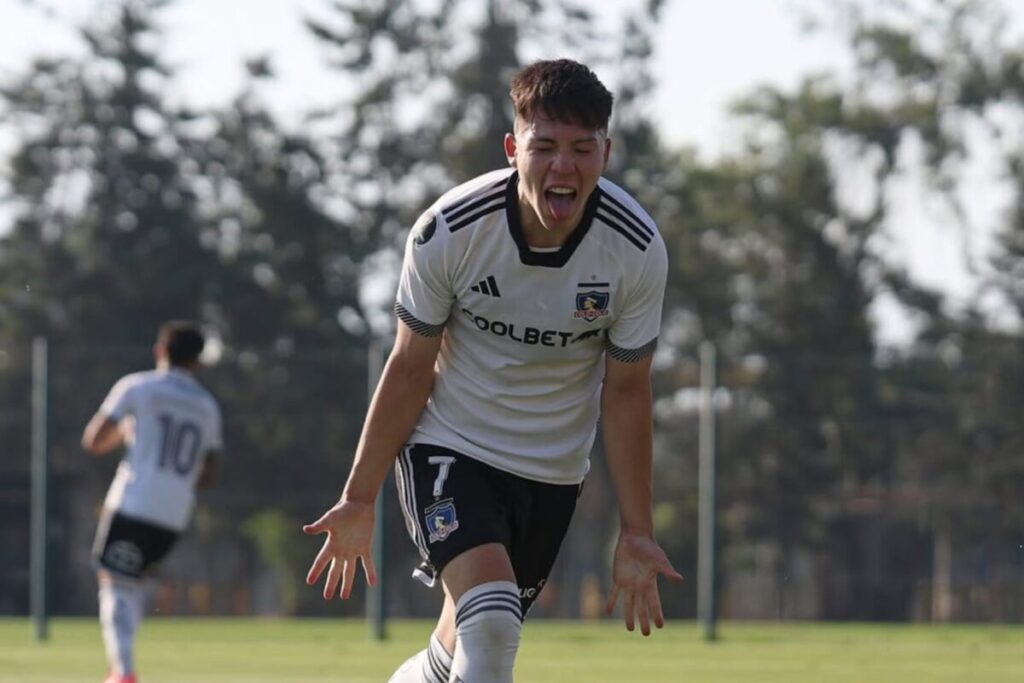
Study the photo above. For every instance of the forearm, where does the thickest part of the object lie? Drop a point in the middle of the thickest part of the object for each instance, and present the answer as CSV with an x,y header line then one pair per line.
x,y
102,435
628,441
208,473
394,411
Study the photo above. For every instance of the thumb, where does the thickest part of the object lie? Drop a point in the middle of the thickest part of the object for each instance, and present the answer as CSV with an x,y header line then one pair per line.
x,y
670,572
317,527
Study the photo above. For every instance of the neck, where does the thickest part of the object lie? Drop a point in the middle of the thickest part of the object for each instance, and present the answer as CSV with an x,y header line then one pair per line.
x,y
165,365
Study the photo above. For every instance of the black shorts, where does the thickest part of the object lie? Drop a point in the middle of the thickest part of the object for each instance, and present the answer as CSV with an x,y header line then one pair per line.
x,y
453,503
130,547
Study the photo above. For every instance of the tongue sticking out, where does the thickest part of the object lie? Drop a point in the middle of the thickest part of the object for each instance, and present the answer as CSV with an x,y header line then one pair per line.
x,y
561,205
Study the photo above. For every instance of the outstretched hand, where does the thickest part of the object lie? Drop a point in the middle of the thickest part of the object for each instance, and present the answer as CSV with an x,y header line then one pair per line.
x,y
349,529
638,561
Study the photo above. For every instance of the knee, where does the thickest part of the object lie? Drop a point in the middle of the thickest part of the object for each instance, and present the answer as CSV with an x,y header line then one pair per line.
x,y
491,630
488,621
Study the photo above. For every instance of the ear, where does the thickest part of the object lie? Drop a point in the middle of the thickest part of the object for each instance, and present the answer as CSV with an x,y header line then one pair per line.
x,y
510,148
607,151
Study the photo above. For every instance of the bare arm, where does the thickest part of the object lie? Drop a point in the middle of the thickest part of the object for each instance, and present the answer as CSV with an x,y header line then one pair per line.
x,y
626,419
102,435
626,426
208,471
400,397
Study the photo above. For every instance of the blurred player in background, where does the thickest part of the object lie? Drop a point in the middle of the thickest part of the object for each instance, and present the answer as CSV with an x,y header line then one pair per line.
x,y
171,427
530,303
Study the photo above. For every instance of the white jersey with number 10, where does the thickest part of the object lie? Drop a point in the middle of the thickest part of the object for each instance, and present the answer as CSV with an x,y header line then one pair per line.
x,y
177,423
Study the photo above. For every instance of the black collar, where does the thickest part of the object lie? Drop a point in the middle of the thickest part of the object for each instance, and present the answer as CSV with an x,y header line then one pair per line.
x,y
549,259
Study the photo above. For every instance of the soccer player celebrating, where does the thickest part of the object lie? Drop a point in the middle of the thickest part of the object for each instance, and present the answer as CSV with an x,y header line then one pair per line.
x,y
171,426
530,303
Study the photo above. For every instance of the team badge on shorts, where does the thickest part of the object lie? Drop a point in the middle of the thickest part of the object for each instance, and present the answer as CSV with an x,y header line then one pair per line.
x,y
124,557
591,305
441,520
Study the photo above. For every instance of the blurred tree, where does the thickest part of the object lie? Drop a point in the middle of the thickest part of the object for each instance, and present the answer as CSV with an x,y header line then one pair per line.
x,y
128,212
832,445
427,110
946,78
774,264
294,333
105,242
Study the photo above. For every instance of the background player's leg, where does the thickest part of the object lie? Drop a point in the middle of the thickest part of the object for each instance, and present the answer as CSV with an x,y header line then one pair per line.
x,y
488,618
121,603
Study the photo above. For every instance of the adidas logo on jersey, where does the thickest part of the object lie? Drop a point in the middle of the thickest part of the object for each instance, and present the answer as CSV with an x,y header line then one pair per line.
x,y
488,287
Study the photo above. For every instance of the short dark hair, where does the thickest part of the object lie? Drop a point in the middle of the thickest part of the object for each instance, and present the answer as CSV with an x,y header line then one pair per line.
x,y
183,341
564,90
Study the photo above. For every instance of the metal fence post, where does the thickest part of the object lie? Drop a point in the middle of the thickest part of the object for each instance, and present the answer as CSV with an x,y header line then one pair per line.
x,y
707,522
40,472
375,595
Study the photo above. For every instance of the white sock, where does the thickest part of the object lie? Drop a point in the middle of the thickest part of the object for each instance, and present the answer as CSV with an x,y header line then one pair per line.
x,y
121,604
437,664
432,665
488,622
409,671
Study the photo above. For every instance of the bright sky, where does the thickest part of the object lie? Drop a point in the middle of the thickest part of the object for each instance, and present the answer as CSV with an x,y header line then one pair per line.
x,y
708,52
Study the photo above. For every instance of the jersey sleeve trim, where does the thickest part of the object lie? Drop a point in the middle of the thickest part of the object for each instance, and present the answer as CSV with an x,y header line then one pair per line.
x,y
415,324
632,355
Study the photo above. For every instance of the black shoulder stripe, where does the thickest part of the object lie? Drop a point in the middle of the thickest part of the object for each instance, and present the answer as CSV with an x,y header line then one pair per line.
x,y
637,221
447,211
622,222
499,206
629,220
632,355
642,246
415,324
463,209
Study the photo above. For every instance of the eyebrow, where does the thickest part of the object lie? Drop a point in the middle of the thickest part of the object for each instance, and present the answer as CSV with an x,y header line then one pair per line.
x,y
577,141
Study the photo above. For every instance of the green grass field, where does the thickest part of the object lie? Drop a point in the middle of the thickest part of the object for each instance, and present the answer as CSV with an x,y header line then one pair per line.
x,y
324,651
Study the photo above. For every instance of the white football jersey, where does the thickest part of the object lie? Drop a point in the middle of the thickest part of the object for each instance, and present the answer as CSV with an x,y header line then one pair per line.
x,y
525,331
177,424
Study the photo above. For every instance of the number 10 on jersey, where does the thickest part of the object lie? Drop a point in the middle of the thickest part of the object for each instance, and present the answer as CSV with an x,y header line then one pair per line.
x,y
179,444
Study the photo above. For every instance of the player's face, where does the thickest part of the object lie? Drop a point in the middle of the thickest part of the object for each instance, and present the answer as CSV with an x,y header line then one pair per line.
x,y
559,165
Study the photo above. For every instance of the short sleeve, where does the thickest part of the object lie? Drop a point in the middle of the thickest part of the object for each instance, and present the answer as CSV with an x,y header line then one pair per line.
x,y
425,292
121,399
634,334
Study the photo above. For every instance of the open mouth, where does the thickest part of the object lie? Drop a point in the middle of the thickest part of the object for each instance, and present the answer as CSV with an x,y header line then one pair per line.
x,y
561,201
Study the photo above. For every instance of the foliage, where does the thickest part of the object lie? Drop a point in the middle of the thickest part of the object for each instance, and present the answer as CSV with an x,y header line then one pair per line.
x,y
127,209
